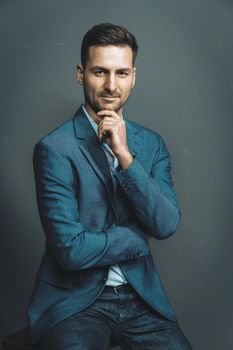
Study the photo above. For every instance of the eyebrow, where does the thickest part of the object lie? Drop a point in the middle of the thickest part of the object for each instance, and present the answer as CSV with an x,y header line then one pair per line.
x,y
125,69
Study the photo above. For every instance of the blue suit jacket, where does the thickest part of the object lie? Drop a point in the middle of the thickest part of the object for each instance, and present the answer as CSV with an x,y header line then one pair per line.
x,y
89,226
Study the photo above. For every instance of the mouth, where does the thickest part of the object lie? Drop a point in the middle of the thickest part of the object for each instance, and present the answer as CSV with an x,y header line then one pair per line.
x,y
109,98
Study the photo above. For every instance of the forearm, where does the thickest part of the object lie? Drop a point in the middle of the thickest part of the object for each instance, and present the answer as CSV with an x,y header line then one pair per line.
x,y
76,248
156,207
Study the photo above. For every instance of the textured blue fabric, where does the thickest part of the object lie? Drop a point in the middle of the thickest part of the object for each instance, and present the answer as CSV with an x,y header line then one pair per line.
x,y
87,229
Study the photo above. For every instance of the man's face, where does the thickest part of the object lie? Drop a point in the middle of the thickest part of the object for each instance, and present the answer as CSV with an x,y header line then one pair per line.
x,y
108,78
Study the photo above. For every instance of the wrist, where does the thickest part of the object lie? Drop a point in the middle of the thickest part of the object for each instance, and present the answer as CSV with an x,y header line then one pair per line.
x,y
125,159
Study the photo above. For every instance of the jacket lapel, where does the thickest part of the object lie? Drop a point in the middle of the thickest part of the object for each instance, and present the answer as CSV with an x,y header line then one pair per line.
x,y
93,152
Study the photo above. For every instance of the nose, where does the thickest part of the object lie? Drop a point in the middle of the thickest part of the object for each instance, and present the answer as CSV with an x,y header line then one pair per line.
x,y
110,83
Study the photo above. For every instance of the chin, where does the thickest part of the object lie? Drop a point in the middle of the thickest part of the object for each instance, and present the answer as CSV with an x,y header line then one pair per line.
x,y
112,107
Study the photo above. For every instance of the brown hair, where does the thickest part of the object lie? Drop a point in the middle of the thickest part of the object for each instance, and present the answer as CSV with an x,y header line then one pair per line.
x,y
107,34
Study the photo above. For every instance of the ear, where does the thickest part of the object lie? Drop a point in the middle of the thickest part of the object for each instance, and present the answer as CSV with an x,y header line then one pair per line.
x,y
134,77
79,74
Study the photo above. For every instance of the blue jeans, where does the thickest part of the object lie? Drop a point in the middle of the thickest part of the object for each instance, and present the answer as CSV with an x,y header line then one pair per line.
x,y
120,317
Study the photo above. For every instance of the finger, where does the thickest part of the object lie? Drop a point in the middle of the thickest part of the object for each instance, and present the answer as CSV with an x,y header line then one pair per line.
x,y
108,113
104,128
105,132
109,121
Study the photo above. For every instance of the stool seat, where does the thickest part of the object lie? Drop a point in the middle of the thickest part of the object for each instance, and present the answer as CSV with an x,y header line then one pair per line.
x,y
18,341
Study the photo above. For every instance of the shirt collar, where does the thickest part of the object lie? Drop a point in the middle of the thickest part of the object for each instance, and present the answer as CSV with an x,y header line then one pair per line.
x,y
93,124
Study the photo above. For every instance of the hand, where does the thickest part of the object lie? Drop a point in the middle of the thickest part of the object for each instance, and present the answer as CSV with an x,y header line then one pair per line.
x,y
113,126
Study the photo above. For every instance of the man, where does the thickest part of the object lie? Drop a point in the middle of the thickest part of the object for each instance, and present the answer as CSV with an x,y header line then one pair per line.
x,y
103,188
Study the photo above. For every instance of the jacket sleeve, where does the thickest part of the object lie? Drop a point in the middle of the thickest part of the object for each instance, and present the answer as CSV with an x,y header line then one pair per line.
x,y
152,194
71,245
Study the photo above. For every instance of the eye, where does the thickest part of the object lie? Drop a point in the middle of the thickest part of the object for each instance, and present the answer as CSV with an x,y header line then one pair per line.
x,y
100,73
123,74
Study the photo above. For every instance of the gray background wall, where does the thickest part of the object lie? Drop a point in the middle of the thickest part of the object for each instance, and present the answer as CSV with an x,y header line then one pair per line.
x,y
184,91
